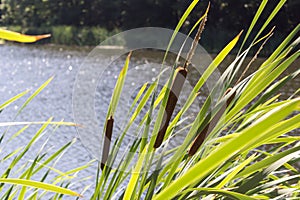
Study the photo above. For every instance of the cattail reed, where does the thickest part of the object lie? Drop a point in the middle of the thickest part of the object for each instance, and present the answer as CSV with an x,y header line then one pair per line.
x,y
175,90
177,85
210,126
107,139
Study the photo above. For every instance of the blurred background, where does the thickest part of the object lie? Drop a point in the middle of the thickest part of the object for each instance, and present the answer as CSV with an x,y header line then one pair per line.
x,y
88,22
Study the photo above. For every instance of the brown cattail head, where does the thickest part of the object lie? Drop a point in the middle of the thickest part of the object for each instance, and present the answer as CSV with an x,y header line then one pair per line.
x,y
198,141
210,126
107,139
176,88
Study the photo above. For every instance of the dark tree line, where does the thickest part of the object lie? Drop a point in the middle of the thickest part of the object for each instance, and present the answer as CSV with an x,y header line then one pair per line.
x,y
90,19
224,14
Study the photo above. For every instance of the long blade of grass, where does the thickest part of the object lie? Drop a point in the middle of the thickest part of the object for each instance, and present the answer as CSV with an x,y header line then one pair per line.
x,y
35,94
179,25
37,123
40,185
271,16
254,21
135,174
118,88
13,99
258,166
258,177
247,97
237,169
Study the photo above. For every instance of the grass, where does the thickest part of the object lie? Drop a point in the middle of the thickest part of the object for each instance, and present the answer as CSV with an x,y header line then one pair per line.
x,y
23,170
221,156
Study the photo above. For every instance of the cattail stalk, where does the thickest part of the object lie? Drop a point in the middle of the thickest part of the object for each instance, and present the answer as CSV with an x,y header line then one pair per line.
x,y
107,139
176,87
211,125
255,56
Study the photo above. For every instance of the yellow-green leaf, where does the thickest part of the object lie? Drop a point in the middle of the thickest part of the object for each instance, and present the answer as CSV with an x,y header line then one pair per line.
x,y
18,37
40,185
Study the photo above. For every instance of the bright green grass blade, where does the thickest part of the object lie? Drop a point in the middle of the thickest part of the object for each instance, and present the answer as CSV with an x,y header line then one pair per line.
x,y
277,130
18,133
284,140
286,165
54,155
142,103
118,88
224,193
13,99
120,173
248,96
135,174
282,45
190,32
40,185
237,169
78,169
271,16
266,162
11,154
254,21
276,182
272,57
35,94
48,160
30,143
61,174
28,176
274,88
138,96
179,25
258,177
227,150
215,63
37,123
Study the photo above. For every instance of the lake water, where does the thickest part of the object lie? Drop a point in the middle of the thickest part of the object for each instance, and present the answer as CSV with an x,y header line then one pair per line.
x,y
25,67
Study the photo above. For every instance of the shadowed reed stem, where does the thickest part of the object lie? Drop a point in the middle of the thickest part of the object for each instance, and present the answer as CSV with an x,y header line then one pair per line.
x,y
210,126
107,139
177,85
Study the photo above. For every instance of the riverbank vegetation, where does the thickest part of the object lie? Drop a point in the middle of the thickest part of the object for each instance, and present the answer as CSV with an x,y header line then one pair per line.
x,y
85,22
221,156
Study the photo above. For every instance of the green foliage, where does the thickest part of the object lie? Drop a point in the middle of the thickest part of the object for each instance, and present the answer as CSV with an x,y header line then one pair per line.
x,y
43,162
